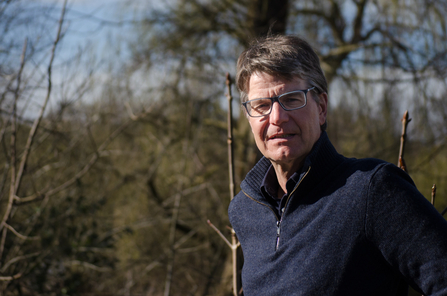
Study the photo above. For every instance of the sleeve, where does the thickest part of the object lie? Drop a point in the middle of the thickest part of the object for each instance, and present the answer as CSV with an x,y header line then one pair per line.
x,y
407,229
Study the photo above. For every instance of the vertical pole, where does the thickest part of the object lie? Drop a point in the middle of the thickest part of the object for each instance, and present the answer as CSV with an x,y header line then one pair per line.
x,y
230,136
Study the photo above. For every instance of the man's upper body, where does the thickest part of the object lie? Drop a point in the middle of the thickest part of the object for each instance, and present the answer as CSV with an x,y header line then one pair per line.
x,y
310,221
349,227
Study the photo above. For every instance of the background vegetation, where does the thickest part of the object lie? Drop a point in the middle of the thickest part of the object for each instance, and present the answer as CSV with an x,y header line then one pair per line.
x,y
113,155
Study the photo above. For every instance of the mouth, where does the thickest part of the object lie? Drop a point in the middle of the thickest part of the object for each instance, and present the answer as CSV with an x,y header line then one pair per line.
x,y
281,136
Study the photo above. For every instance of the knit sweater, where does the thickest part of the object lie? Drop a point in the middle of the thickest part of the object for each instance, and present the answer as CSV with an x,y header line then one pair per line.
x,y
349,227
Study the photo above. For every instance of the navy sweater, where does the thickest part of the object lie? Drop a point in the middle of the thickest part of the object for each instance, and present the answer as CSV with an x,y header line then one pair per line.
x,y
349,227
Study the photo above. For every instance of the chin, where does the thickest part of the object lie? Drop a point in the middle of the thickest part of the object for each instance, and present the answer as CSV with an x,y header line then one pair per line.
x,y
285,159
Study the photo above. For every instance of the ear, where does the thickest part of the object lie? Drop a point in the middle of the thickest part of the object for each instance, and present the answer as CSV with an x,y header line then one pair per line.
x,y
322,107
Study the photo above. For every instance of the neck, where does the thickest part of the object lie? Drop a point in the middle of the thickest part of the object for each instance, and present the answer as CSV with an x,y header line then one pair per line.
x,y
283,173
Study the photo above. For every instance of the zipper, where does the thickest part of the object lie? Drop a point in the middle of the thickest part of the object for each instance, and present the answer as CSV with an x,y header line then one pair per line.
x,y
279,219
278,233
278,223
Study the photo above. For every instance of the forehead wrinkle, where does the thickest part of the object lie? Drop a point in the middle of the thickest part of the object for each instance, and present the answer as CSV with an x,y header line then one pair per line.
x,y
271,85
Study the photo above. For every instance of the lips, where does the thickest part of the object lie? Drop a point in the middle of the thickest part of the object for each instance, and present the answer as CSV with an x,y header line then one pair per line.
x,y
280,136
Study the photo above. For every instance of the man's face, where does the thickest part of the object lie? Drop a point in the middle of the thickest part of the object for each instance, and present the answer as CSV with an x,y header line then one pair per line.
x,y
285,137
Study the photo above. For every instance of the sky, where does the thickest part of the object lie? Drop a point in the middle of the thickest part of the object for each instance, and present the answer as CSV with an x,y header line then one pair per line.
x,y
98,29
102,28
96,22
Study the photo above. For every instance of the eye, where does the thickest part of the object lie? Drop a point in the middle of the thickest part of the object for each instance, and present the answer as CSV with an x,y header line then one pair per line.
x,y
260,104
293,100
290,99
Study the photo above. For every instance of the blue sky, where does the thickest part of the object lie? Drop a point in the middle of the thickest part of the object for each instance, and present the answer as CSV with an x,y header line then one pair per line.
x,y
93,28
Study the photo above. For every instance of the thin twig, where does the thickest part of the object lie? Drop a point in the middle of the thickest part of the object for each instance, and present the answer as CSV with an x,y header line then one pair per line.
x,y
433,194
234,245
10,278
220,234
38,120
20,235
230,136
184,239
16,259
401,161
129,111
234,241
88,265
151,266
237,284
13,152
2,242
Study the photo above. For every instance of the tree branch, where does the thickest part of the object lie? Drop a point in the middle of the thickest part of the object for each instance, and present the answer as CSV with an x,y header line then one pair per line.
x,y
36,124
10,278
16,259
13,152
401,161
89,265
220,234
358,22
20,235
433,194
85,169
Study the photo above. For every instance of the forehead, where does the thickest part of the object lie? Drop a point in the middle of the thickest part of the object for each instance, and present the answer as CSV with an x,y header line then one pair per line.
x,y
263,85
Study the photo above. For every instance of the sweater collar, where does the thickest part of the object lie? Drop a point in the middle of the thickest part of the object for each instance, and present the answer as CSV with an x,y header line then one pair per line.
x,y
322,159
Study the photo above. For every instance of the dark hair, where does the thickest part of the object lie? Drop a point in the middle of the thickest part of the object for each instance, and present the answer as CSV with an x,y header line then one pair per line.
x,y
285,56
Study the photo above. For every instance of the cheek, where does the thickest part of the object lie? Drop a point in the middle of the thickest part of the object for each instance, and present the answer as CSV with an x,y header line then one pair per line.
x,y
251,127
256,129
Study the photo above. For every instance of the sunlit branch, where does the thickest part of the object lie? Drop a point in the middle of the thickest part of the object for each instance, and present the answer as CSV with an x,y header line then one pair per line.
x,y
235,244
10,278
433,194
401,161
220,234
20,235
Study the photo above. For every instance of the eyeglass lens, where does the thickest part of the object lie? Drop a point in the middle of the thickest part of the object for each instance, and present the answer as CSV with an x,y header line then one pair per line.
x,y
290,101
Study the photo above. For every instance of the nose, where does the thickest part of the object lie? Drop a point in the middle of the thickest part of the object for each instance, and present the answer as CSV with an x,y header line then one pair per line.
x,y
278,114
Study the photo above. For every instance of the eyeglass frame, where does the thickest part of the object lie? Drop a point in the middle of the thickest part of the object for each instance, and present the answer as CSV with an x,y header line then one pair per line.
x,y
276,99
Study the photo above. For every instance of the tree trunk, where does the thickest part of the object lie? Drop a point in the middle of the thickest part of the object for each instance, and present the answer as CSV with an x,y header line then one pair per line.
x,y
268,16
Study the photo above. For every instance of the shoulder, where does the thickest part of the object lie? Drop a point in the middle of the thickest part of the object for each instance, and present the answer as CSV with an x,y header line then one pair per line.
x,y
370,164
361,179
375,171
387,174
236,202
237,206
360,171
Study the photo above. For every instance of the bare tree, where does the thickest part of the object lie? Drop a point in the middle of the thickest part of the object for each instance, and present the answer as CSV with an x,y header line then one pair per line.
x,y
48,236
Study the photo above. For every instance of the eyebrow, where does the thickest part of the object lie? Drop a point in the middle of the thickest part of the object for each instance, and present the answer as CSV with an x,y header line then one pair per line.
x,y
301,90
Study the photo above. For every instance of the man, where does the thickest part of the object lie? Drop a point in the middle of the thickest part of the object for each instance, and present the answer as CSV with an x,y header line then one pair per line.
x,y
310,221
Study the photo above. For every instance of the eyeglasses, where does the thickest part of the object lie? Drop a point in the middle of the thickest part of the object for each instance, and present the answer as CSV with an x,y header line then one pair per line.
x,y
289,101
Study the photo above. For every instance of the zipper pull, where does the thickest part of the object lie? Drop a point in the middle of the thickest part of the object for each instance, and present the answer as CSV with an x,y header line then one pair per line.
x,y
278,230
